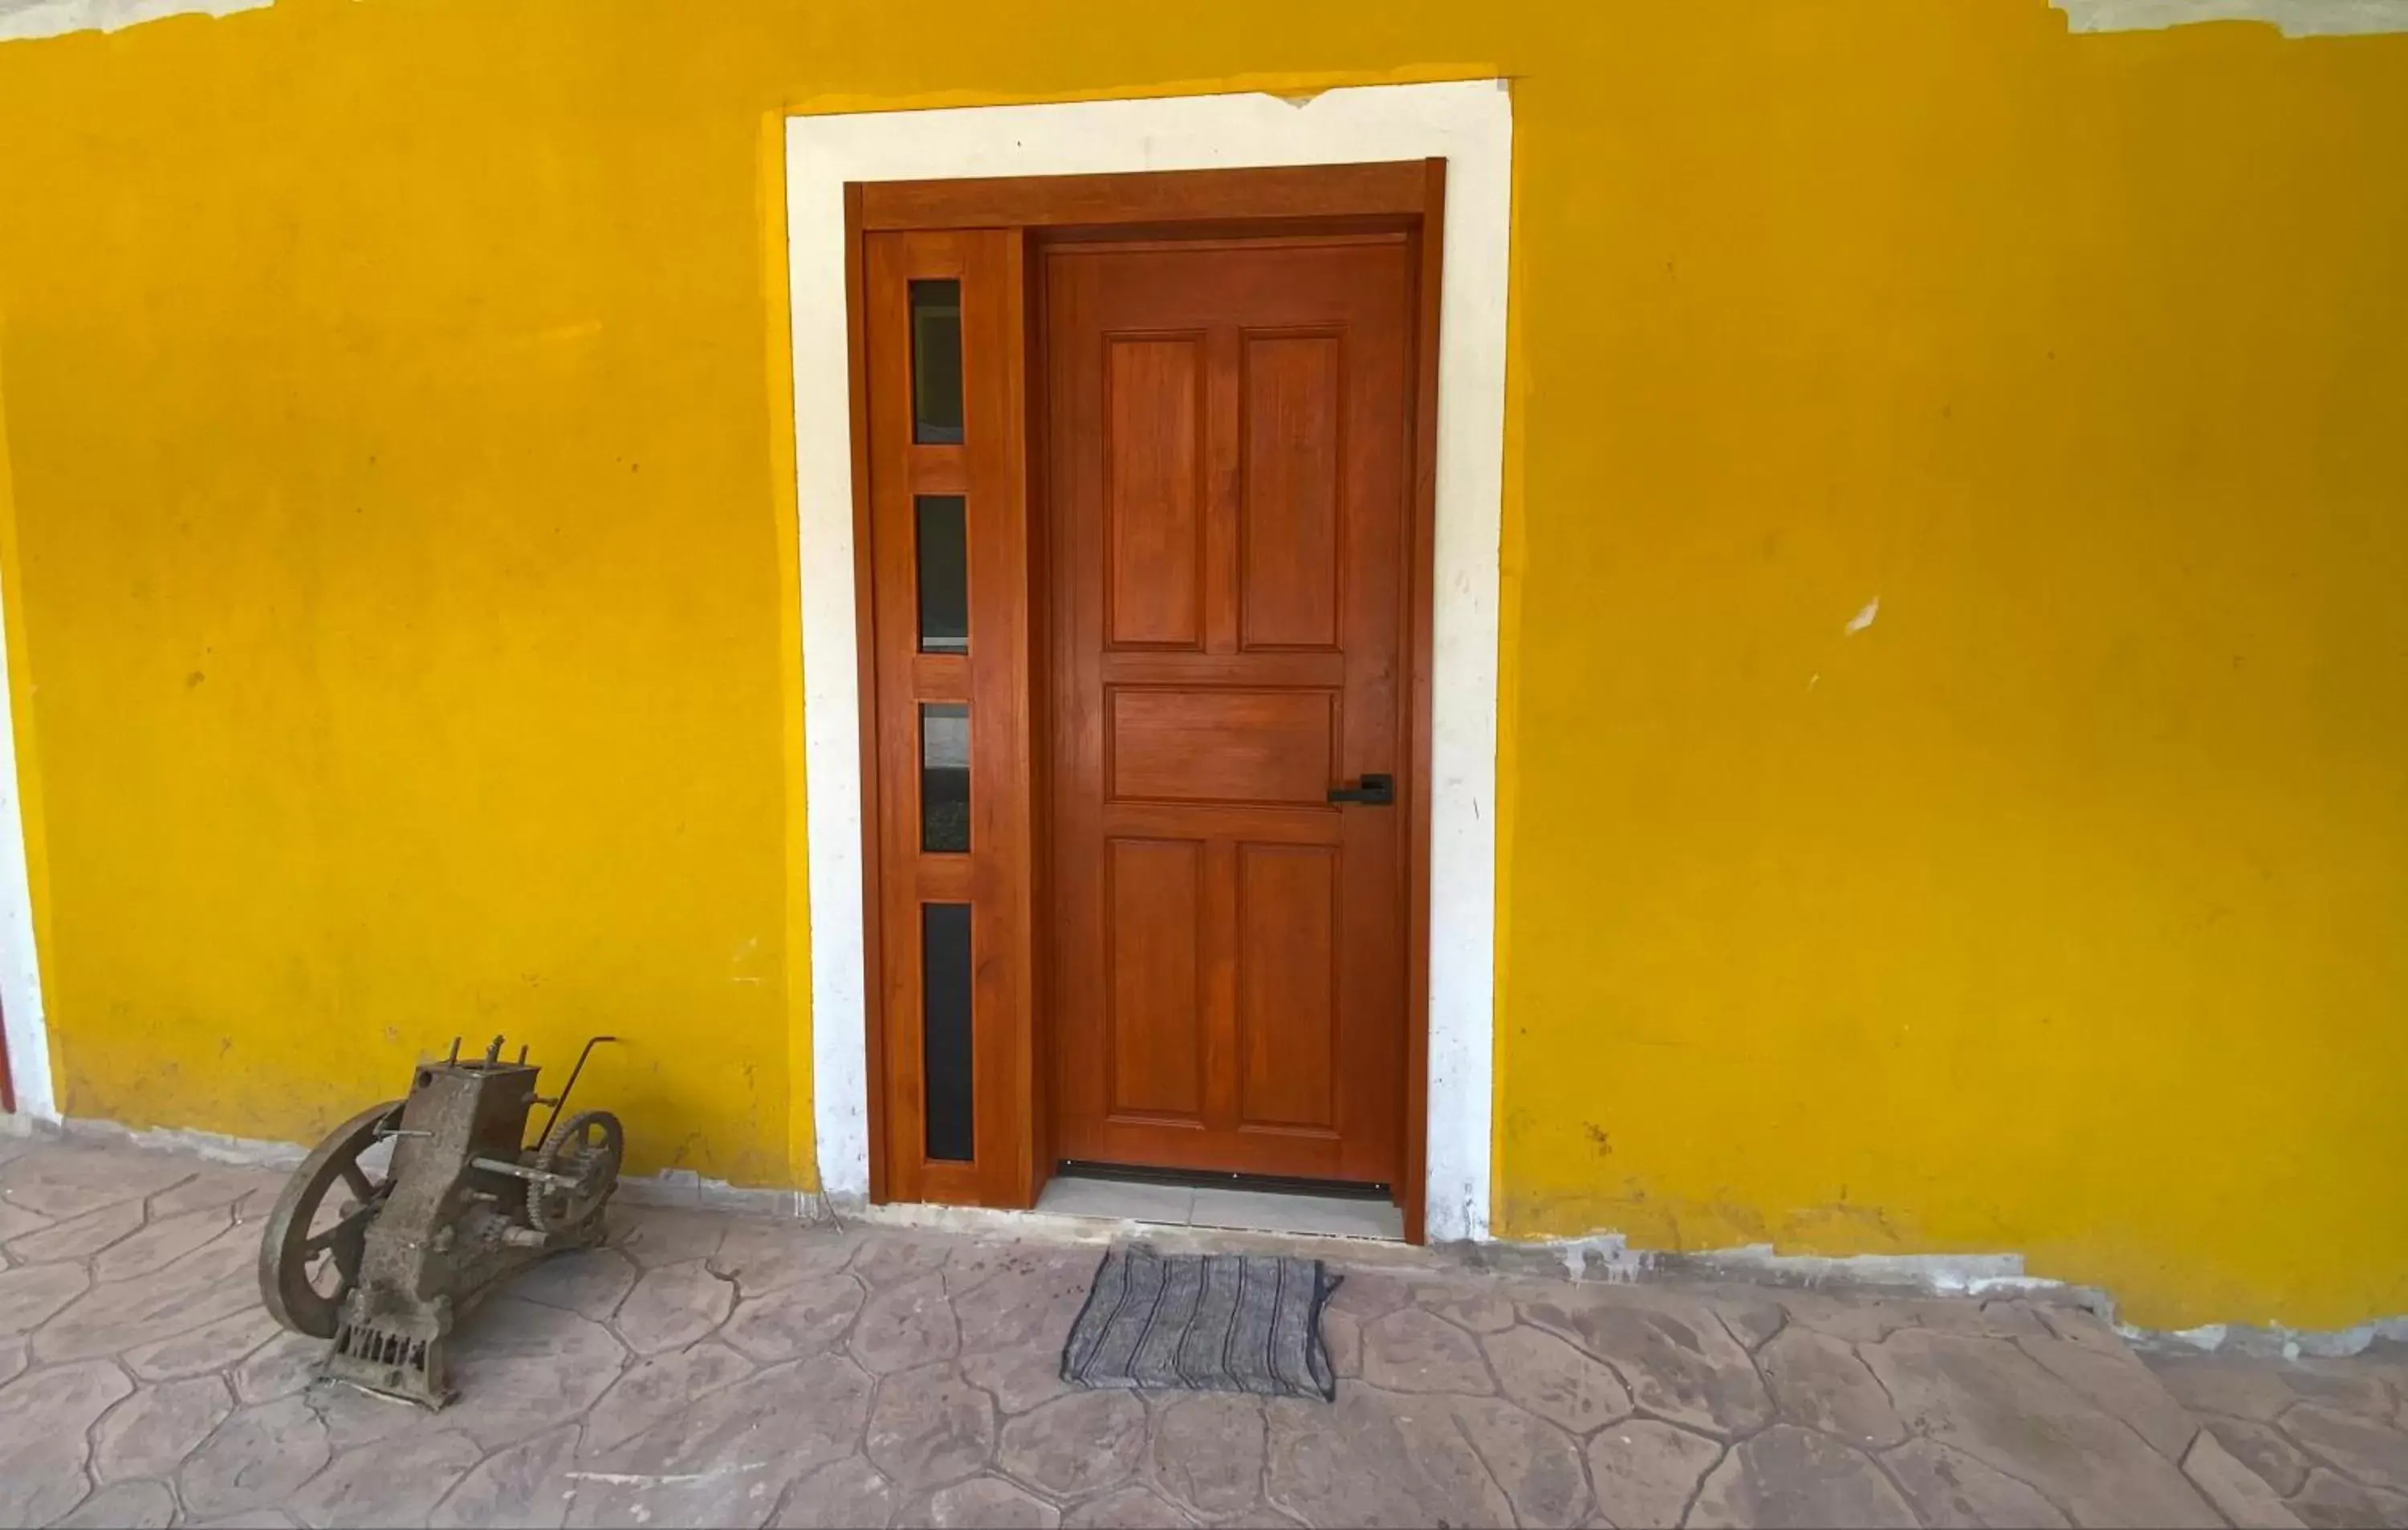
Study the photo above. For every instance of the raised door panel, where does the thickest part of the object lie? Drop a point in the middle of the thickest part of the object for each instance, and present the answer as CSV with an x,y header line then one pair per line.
x,y
1287,987
1155,1025
1272,747
1288,592
1154,394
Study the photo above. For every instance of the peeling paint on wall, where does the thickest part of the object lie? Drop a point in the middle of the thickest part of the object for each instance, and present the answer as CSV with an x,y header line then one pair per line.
x,y
2293,18
22,18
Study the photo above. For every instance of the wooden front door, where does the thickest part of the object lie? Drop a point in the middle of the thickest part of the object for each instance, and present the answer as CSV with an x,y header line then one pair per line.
x,y
1229,472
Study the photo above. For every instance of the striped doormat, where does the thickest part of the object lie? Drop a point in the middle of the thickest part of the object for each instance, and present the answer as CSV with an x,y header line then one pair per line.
x,y
1203,1322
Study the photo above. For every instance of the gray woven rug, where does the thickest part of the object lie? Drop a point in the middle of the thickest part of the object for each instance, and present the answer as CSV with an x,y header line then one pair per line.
x,y
1203,1322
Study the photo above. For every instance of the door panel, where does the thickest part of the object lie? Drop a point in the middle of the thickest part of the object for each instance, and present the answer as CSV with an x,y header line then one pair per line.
x,y
1288,597
1155,389
1197,745
1155,1026
1227,468
1287,987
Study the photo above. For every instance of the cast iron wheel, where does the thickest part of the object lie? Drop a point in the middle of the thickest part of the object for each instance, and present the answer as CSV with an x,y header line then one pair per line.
x,y
306,1266
587,1147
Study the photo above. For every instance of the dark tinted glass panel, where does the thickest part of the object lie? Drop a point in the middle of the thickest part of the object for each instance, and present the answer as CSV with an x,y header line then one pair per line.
x,y
945,1029
937,361
945,776
944,574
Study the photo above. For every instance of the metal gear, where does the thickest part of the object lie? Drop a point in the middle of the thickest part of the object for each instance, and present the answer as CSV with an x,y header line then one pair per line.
x,y
587,1147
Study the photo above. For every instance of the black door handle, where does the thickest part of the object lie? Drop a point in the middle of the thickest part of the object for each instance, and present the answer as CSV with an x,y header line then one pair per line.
x,y
1375,791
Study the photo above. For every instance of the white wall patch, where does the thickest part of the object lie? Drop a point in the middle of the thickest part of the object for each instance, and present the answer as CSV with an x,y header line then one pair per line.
x,y
1863,618
2293,18
24,19
25,1029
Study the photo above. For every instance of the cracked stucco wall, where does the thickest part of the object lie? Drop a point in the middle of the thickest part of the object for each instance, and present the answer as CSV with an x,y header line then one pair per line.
x,y
403,565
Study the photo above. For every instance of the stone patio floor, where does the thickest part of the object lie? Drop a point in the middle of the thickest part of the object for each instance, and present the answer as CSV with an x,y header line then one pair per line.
x,y
718,1369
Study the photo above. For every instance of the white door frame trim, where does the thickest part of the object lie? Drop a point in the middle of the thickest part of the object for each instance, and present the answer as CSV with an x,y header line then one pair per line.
x,y
1469,124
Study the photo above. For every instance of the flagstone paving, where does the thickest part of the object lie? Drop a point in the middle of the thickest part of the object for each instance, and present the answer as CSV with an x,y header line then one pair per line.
x,y
717,1369
2328,1438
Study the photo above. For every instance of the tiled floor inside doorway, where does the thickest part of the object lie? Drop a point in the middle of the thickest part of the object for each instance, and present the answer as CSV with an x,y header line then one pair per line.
x,y
1244,1211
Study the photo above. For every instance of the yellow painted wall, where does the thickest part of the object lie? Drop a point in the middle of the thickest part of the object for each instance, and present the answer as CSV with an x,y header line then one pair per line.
x,y
402,560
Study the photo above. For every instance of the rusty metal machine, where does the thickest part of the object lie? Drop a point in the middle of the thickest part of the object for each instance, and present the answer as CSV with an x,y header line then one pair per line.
x,y
384,1262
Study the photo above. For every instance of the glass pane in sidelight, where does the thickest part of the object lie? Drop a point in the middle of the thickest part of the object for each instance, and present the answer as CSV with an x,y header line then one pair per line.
x,y
942,527
936,362
945,777
945,1045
